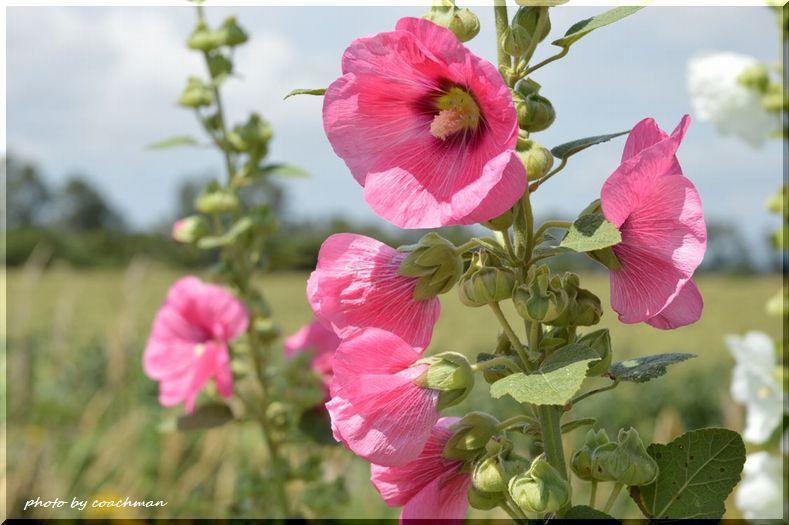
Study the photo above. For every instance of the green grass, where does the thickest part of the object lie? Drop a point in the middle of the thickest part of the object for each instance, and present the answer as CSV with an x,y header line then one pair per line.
x,y
83,420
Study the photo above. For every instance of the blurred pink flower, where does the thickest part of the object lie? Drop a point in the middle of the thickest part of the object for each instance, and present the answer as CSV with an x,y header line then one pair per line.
x,y
178,228
376,408
659,213
427,127
188,342
323,341
429,487
355,285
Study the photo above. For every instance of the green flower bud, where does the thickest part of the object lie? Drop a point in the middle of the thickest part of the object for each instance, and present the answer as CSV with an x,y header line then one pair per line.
x,y
535,112
486,285
484,500
537,160
536,300
435,262
773,98
541,489
583,307
526,18
203,39
462,22
488,477
191,229
515,40
219,65
278,415
625,462
253,137
755,77
600,342
215,199
196,94
449,373
230,34
581,462
471,435
501,223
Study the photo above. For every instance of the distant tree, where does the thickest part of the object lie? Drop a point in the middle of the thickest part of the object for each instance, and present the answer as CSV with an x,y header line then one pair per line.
x,y
727,250
27,195
82,207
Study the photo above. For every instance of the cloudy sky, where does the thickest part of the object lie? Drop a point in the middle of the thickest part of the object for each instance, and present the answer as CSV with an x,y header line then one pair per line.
x,y
87,88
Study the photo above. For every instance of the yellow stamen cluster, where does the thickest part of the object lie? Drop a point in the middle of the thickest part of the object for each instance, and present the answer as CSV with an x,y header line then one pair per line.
x,y
458,111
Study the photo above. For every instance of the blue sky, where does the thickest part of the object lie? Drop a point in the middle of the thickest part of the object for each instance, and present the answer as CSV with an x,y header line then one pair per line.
x,y
87,88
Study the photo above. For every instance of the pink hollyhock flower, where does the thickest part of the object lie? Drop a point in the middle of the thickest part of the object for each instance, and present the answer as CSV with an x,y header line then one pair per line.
x,y
188,342
664,237
323,341
427,127
376,407
429,487
355,285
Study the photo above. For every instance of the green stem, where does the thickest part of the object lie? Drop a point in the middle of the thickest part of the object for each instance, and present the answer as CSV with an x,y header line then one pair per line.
x,y
552,436
516,343
515,421
465,247
504,239
537,183
542,19
502,23
496,361
593,494
596,391
526,203
612,498
547,225
547,61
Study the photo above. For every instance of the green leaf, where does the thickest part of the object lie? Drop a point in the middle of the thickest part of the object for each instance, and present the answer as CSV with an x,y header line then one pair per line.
x,y
591,232
568,149
698,471
316,425
584,27
285,170
209,415
174,142
316,91
556,381
643,369
583,512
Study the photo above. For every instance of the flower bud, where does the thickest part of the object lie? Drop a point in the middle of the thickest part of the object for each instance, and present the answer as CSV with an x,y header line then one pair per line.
x,y
526,18
219,65
515,40
203,39
230,34
484,500
449,373
583,307
434,261
488,477
215,199
462,22
536,300
471,434
535,112
196,94
253,137
755,77
600,342
537,160
501,223
773,98
486,285
190,229
541,489
581,462
625,462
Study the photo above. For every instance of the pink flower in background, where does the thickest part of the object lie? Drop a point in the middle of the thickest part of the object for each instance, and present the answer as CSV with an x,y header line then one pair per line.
x,y
178,228
659,213
188,342
323,341
427,127
429,487
355,285
376,408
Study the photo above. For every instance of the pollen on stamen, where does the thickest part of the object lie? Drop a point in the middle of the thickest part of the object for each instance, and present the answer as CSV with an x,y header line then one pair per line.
x,y
447,122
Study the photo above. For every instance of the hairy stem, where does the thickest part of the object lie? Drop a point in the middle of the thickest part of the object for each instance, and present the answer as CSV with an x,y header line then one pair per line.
x,y
516,343
612,498
502,23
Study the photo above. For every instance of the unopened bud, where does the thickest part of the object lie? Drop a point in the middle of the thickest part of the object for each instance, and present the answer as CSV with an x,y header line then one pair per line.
x,y
488,477
486,285
202,38
515,40
600,342
535,112
581,462
484,500
196,94
190,229
527,19
449,373
253,137
216,200
583,307
462,22
537,160
470,436
219,65
231,34
537,300
625,462
434,261
541,489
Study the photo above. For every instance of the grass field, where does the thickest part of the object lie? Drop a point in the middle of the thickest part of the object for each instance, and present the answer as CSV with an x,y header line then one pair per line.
x,y
82,420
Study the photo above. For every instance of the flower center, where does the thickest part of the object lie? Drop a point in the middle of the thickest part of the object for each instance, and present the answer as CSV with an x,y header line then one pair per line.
x,y
458,111
198,350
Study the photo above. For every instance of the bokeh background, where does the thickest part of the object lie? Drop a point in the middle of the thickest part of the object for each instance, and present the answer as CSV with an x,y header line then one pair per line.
x,y
89,210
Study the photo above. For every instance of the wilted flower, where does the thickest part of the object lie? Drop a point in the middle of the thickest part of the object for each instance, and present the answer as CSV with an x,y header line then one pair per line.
x,y
427,127
659,213
755,384
188,343
429,487
356,285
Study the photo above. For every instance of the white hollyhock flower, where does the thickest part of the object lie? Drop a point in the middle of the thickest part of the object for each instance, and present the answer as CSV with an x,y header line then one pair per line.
x,y
760,494
717,97
755,385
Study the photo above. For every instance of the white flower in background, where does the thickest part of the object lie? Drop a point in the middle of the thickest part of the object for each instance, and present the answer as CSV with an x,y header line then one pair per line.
x,y
754,384
760,494
717,97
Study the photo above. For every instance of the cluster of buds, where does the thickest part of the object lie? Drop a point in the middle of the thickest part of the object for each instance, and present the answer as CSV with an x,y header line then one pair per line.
x,y
624,461
535,112
556,300
462,22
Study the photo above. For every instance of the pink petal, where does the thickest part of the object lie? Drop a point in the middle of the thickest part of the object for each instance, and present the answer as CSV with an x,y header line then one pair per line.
x,y
685,309
445,498
643,135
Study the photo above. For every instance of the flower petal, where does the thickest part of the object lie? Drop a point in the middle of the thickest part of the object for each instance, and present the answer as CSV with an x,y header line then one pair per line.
x,y
683,310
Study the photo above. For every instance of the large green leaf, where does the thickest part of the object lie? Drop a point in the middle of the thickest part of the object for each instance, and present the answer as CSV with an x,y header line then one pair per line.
x,y
584,512
642,369
205,416
698,470
584,27
591,232
174,142
568,149
316,91
556,381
